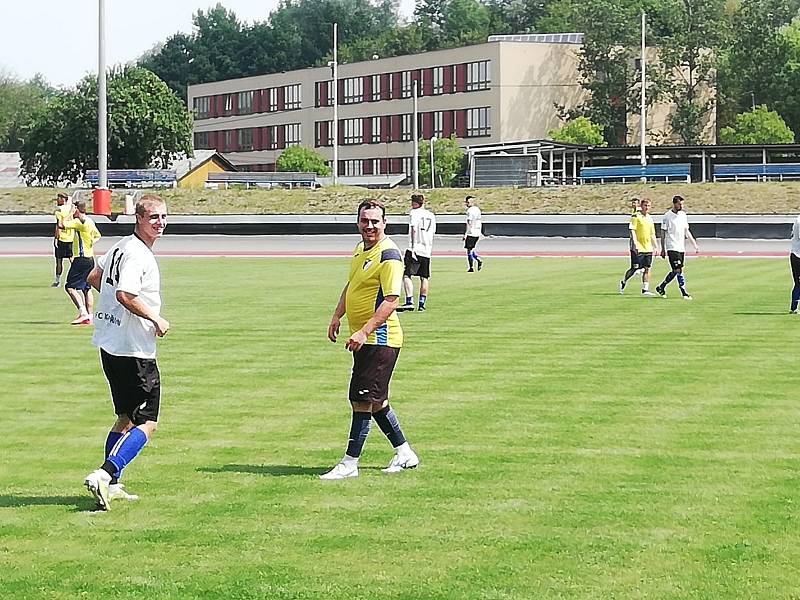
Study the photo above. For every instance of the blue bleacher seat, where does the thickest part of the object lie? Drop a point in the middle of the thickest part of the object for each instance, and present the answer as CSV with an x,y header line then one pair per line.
x,y
756,171
134,177
625,173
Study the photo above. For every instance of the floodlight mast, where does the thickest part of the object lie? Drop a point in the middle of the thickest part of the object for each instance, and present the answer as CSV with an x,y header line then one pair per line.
x,y
643,110
102,116
335,75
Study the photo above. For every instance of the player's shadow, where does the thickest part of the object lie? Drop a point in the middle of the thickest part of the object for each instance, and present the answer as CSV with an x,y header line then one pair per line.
x,y
79,503
270,470
762,313
40,322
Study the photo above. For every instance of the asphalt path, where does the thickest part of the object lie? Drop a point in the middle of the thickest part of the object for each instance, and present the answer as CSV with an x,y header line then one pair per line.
x,y
445,246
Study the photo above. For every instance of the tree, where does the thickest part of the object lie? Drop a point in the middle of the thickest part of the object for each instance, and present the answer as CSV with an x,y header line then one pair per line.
x,y
147,126
580,131
758,126
19,100
299,159
448,161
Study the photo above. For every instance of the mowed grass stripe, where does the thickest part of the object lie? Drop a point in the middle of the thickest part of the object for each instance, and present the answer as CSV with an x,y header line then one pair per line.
x,y
574,443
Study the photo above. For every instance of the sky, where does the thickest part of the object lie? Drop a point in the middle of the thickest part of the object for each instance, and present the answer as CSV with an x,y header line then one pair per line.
x,y
58,38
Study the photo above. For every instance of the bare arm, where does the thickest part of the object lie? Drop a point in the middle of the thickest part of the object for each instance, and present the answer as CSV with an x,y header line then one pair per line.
x,y
694,241
95,278
383,312
338,313
132,303
663,245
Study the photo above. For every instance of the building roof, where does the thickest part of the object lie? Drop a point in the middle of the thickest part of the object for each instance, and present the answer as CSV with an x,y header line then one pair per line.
x,y
185,166
10,164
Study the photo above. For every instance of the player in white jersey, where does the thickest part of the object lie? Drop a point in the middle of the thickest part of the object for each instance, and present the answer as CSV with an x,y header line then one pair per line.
x,y
417,260
127,321
674,232
473,233
794,260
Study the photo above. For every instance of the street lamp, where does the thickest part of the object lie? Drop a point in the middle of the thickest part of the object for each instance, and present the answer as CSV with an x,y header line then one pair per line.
x,y
433,178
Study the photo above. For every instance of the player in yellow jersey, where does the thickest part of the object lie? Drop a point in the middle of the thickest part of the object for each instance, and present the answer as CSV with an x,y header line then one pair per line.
x,y
369,300
62,238
643,243
77,287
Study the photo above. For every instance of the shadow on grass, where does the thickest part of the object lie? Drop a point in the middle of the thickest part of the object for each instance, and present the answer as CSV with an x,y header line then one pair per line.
x,y
272,470
762,313
44,322
80,503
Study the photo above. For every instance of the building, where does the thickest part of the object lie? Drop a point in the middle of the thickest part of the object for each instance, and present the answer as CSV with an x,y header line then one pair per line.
x,y
487,93
193,172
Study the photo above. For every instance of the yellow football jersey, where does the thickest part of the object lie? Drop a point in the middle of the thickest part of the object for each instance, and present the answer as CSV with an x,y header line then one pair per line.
x,y
62,213
374,274
644,231
86,234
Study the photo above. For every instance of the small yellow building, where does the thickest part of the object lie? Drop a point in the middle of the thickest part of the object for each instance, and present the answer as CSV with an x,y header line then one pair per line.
x,y
193,172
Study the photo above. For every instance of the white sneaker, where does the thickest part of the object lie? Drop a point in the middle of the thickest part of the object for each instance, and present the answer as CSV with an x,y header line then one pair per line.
x,y
687,297
408,460
97,483
340,471
648,294
117,491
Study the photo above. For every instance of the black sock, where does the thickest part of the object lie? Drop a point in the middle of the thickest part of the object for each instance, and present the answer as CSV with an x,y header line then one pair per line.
x,y
359,429
387,421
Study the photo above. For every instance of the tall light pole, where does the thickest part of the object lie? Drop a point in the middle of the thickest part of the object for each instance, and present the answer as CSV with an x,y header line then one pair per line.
x,y
335,73
416,140
643,112
433,177
102,117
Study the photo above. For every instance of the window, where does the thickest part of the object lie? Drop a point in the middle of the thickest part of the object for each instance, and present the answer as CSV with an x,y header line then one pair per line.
x,y
293,134
376,165
292,97
353,90
438,81
438,123
324,93
375,136
376,88
407,166
323,136
478,75
353,167
273,99
246,102
478,122
272,136
228,104
406,84
202,140
202,107
353,132
228,139
406,129
245,139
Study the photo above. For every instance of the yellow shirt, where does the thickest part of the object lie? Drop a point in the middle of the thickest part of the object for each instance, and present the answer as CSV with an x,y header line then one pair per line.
x,y
375,274
63,213
86,234
644,231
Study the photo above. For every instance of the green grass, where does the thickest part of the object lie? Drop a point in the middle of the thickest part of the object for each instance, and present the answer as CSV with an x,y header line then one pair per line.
x,y
575,444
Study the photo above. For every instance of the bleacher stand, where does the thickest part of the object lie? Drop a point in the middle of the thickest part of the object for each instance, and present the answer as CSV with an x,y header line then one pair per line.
x,y
630,173
134,178
262,180
756,172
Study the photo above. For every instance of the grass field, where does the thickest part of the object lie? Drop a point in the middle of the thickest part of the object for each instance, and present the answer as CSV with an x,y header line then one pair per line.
x,y
575,444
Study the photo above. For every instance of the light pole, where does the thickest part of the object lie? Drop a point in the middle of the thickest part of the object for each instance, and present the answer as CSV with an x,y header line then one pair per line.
x,y
101,196
416,140
643,112
433,177
335,75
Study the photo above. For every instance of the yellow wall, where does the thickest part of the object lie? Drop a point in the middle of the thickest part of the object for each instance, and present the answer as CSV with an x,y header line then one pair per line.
x,y
197,177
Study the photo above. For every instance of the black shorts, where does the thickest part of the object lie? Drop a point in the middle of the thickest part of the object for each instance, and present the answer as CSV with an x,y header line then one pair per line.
x,y
675,259
470,241
794,260
63,249
135,386
419,266
78,272
642,260
372,370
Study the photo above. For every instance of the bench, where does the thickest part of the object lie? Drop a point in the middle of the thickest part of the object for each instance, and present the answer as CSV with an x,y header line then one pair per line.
x,y
624,173
756,171
132,178
262,180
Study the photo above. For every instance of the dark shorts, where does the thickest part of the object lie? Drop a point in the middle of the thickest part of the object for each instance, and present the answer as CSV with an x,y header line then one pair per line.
x,y
63,249
419,266
642,260
78,272
675,259
470,242
135,386
794,260
372,371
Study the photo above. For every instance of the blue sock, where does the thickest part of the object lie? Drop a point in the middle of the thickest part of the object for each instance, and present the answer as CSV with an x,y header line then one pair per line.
x,y
409,299
681,283
387,421
422,298
359,429
112,438
795,296
469,258
129,448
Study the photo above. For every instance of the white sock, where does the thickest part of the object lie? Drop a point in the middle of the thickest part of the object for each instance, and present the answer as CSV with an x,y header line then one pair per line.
x,y
403,449
350,461
646,286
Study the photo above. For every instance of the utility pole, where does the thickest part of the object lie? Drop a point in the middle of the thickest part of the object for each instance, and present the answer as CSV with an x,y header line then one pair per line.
x,y
335,72
433,177
102,116
415,165
643,112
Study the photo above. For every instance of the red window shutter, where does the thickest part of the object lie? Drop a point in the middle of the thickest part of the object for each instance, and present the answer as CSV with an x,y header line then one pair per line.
x,y
281,98
427,82
386,79
397,85
366,128
448,127
265,138
220,105
461,123
384,166
340,93
448,79
341,167
256,138
397,128
281,136
341,133
396,165
257,101
386,129
427,125
366,166
367,86
234,104
461,77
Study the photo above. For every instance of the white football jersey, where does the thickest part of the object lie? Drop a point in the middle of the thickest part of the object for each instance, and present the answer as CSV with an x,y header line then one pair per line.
x,y
675,225
474,224
421,229
129,266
